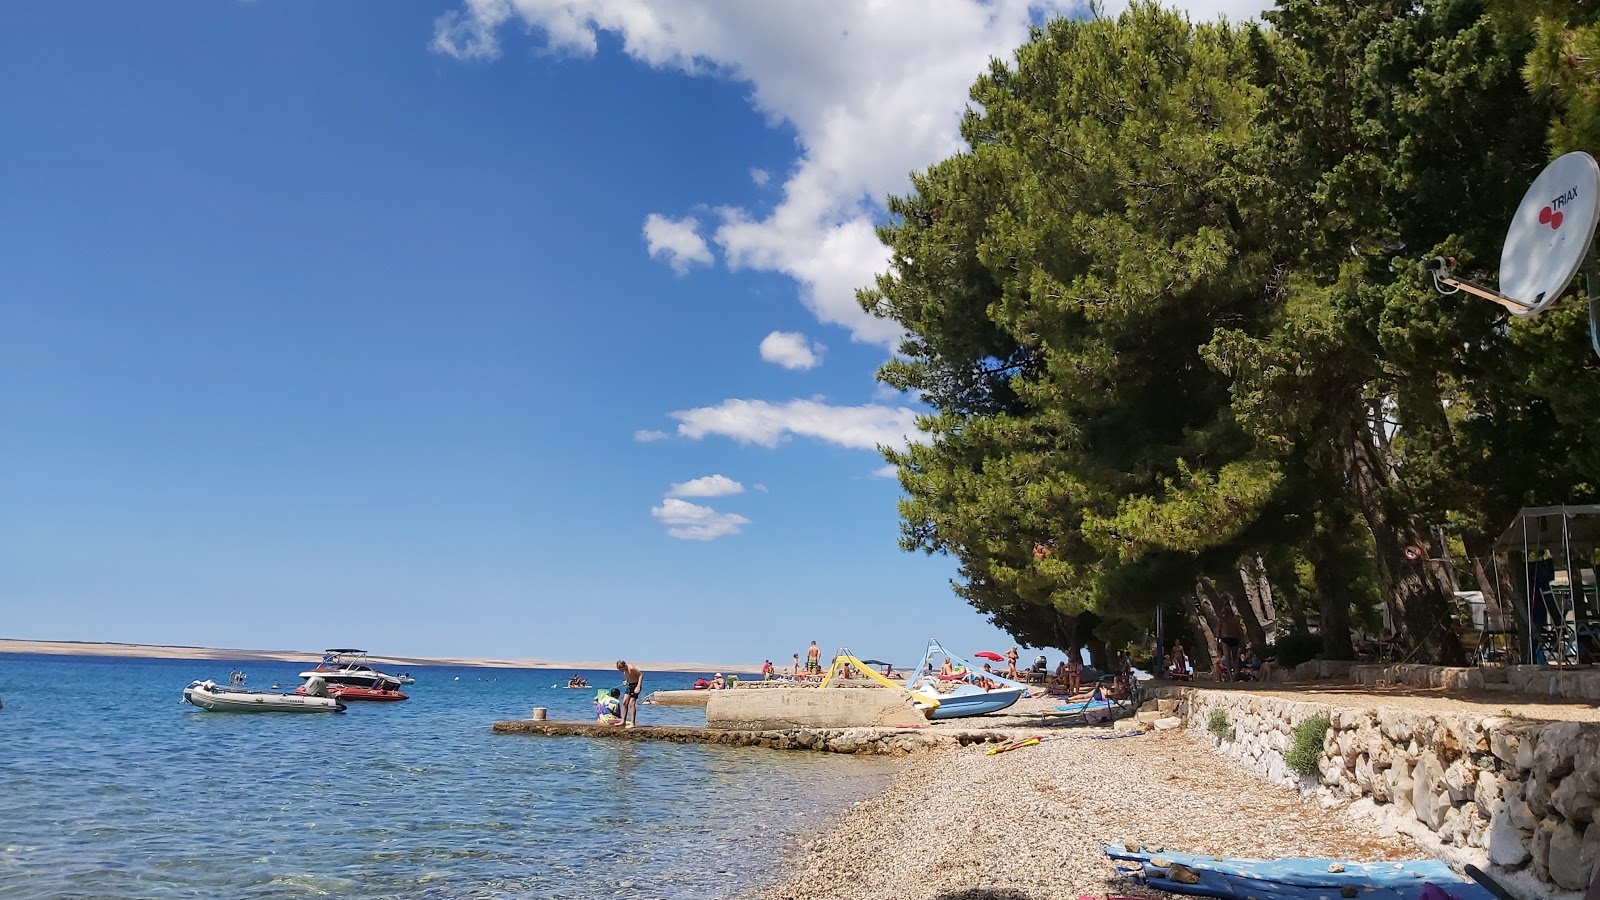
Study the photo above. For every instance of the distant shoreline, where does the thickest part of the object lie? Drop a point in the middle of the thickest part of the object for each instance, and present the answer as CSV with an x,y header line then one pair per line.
x,y
162,651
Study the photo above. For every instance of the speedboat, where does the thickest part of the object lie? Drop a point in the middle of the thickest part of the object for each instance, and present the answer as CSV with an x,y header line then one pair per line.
x,y
343,667
352,692
209,695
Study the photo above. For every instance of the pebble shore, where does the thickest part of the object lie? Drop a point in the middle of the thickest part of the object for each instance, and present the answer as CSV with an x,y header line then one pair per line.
x,y
957,824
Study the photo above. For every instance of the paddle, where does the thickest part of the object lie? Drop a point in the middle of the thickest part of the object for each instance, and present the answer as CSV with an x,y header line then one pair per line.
x,y
1489,884
1015,745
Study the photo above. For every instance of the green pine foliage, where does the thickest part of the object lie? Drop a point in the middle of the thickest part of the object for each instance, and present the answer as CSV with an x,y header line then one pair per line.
x,y
1167,308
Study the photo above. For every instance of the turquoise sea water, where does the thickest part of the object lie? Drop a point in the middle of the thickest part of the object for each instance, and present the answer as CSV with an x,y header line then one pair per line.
x,y
111,787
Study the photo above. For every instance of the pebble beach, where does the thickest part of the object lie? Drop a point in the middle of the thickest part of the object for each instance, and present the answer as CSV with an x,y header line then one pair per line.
x,y
958,824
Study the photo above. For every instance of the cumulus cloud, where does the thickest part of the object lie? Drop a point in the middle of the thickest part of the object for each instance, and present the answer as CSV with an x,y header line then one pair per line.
x,y
791,350
888,471
678,242
760,177
872,90
708,486
769,424
693,522
648,435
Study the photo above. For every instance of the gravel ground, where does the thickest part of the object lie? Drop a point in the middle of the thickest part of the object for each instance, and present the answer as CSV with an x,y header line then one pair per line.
x,y
1028,824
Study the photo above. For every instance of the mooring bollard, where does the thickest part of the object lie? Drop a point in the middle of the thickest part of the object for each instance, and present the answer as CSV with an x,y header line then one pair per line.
x,y
538,713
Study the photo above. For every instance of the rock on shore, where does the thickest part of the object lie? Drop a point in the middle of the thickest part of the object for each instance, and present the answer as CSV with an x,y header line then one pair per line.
x,y
1028,825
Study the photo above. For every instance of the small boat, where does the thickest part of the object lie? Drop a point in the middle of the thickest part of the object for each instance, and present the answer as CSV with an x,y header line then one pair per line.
x,y
1289,879
960,696
209,695
348,667
352,692
405,678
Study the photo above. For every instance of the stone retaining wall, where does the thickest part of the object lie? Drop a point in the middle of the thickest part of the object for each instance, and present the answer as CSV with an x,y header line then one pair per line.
x,y
1515,797
869,741
1543,681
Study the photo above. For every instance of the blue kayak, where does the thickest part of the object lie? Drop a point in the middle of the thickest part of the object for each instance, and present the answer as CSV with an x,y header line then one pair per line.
x,y
1293,879
1084,706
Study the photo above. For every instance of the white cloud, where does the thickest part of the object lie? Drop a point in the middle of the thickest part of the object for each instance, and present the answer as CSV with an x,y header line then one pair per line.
x,y
677,241
768,424
791,350
760,177
872,90
889,471
647,435
470,33
692,522
708,486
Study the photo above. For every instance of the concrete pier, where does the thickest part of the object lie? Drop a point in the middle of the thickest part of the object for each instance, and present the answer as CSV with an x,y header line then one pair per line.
x,y
878,741
681,698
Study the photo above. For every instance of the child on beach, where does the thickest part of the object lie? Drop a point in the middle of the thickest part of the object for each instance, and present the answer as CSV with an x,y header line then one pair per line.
x,y
608,707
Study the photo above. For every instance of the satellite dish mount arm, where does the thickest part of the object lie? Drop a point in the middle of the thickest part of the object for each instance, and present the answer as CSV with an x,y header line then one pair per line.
x,y
1445,282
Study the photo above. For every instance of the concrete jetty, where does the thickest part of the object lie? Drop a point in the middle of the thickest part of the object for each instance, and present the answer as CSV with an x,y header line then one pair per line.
x,y
867,741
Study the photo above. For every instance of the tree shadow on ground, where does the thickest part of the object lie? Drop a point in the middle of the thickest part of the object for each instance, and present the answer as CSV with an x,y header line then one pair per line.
x,y
984,894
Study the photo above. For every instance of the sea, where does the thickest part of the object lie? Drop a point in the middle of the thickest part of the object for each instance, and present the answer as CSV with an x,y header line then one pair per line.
x,y
111,787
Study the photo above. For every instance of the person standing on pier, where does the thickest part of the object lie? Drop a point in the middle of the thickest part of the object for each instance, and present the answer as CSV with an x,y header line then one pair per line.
x,y
813,660
632,683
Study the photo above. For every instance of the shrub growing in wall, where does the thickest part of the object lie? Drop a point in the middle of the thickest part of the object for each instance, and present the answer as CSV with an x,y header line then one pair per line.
x,y
1218,725
1305,746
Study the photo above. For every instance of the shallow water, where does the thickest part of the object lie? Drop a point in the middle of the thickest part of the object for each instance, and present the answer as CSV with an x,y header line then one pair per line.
x,y
111,787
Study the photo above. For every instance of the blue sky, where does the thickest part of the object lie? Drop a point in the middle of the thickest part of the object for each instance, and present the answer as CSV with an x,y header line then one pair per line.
x,y
396,324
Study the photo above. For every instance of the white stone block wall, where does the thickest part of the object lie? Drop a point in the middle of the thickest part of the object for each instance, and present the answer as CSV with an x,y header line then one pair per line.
x,y
1517,798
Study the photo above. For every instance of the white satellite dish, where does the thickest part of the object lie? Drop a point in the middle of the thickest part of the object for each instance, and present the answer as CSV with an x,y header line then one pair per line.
x,y
1546,245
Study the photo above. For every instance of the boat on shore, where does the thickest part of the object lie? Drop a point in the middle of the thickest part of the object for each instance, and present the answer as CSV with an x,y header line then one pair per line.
x,y
1289,879
213,697
974,692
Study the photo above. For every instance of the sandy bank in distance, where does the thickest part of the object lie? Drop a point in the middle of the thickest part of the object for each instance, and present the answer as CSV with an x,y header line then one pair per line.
x,y
153,651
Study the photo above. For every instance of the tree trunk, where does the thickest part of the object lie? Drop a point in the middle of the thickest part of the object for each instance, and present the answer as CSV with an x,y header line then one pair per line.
x,y
1332,576
1205,634
1253,575
1288,591
1224,599
1417,600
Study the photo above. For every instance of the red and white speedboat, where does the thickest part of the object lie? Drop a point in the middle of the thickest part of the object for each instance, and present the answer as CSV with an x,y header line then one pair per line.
x,y
349,692
348,676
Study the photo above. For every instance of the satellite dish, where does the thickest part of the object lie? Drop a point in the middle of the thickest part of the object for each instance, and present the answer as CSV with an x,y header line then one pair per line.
x,y
1546,245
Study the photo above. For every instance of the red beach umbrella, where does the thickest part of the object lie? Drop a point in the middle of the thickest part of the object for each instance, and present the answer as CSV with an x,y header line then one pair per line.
x,y
985,654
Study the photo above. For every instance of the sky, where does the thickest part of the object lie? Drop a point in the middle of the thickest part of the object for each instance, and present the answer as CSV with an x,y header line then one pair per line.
x,y
514,328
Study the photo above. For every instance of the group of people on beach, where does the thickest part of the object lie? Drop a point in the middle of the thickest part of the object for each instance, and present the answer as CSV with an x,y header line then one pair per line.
x,y
1236,659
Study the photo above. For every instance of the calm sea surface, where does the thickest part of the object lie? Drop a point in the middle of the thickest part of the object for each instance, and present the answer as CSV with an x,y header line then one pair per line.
x,y
111,787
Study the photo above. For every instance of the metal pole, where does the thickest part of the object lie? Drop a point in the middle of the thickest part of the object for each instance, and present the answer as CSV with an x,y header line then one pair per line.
x,y
1527,588
1573,586
1499,607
